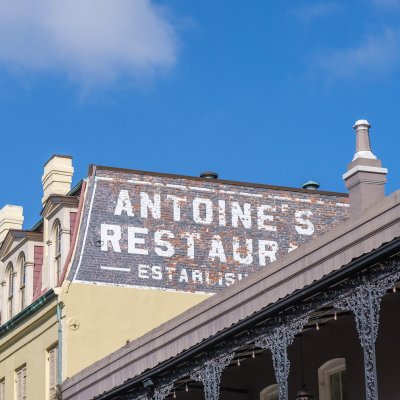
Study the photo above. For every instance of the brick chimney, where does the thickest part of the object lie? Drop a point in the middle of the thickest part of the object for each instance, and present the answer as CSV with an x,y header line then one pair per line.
x,y
11,217
57,176
365,178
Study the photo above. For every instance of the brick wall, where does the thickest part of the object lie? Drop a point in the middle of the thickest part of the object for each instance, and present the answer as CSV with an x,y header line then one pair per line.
x,y
185,234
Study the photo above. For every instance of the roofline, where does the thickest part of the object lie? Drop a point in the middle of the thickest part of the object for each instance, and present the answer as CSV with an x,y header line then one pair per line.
x,y
27,312
37,225
221,181
75,189
386,250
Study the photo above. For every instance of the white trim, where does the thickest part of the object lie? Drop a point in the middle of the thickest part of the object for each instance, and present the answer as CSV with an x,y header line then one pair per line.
x,y
364,168
269,392
86,229
325,371
364,154
116,268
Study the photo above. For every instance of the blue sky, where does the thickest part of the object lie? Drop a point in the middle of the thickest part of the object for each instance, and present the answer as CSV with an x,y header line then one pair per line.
x,y
260,91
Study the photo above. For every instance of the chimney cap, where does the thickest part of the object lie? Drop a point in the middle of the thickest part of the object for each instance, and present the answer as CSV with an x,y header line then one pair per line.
x,y
361,123
209,175
57,156
310,185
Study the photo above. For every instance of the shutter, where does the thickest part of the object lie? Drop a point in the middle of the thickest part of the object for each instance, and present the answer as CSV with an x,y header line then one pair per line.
x,y
2,390
24,383
53,373
21,384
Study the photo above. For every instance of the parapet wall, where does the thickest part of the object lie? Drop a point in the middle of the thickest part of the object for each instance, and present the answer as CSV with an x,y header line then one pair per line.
x,y
189,234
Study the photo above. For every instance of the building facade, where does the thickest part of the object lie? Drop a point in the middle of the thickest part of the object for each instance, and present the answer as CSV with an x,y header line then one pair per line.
x,y
148,285
320,322
65,281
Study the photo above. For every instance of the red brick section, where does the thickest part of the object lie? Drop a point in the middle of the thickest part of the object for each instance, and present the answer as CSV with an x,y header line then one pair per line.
x,y
37,272
72,223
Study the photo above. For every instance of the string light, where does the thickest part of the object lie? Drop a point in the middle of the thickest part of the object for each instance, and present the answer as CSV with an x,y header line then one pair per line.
x,y
174,394
186,387
253,354
335,316
394,289
317,326
238,362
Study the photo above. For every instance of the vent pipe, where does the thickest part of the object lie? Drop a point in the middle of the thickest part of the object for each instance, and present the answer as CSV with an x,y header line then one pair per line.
x,y
209,175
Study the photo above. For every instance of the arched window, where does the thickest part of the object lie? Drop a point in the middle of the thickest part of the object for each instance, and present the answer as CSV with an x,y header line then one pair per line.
x,y
10,289
270,393
22,280
332,380
57,250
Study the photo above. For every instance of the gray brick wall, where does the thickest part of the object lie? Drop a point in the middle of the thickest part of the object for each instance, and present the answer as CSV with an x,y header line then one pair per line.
x,y
135,231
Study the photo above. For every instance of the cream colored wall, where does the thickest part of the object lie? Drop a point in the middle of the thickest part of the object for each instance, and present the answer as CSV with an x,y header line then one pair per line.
x,y
108,316
28,344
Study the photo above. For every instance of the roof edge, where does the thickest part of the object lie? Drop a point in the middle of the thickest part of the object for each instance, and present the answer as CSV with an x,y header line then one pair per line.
x,y
223,181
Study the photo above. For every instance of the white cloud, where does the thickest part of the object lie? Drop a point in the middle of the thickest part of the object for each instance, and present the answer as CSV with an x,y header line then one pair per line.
x,y
91,41
376,55
309,12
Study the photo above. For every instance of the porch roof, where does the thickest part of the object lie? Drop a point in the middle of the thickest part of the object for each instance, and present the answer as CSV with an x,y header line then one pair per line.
x,y
297,270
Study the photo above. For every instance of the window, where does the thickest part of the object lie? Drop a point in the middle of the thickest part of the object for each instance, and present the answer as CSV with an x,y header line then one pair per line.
x,y
57,249
270,393
10,289
2,389
52,357
21,383
22,275
332,380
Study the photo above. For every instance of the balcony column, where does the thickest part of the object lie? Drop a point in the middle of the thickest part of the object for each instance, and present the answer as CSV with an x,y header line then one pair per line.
x,y
210,375
277,341
364,302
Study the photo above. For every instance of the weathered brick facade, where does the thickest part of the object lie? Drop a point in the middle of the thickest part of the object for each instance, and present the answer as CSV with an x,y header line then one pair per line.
x,y
190,234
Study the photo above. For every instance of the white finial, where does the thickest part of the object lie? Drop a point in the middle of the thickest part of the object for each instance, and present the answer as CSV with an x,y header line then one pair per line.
x,y
363,147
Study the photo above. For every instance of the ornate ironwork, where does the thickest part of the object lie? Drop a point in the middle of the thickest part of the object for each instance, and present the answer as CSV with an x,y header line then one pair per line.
x,y
277,341
364,301
361,294
162,391
210,374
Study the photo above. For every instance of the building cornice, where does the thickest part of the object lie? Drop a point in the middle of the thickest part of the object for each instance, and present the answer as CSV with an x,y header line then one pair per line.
x,y
27,312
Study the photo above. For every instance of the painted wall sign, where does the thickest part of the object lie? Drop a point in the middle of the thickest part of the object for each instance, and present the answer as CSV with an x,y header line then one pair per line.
x,y
192,235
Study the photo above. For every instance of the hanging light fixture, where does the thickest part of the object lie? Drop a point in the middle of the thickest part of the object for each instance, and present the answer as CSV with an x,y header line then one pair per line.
x,y
303,394
253,354
186,387
238,361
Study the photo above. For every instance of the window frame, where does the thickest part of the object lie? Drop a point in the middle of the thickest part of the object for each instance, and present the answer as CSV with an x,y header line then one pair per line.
x,y
22,279
10,274
325,371
57,235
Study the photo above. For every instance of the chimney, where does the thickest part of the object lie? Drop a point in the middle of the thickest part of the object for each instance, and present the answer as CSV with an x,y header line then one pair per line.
x,y
365,178
11,217
57,176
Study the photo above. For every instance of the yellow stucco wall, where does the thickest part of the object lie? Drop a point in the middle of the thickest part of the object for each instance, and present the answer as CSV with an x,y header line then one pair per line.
x,y
108,316
28,344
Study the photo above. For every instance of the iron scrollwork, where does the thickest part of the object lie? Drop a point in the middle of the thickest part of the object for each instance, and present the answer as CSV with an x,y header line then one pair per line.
x,y
277,341
209,374
364,300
